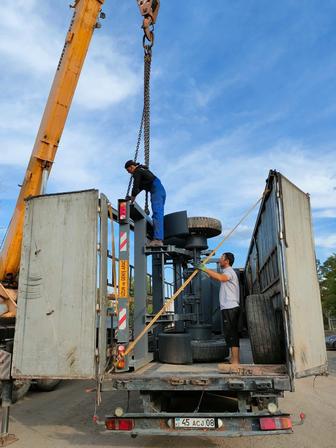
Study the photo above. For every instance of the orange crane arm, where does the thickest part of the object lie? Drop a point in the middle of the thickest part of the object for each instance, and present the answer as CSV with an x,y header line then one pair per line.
x,y
83,23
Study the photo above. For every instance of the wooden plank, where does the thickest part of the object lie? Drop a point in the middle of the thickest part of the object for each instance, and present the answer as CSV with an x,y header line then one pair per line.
x,y
252,369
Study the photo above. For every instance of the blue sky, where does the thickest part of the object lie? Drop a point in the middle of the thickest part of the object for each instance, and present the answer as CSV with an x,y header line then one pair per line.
x,y
238,88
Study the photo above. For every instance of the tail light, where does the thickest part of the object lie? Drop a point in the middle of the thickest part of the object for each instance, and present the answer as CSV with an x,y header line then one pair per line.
x,y
122,424
122,211
275,423
121,363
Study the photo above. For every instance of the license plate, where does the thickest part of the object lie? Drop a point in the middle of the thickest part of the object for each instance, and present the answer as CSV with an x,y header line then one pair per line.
x,y
191,422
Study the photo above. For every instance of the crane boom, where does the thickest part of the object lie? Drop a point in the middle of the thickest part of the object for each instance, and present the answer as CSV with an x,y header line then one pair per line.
x,y
84,20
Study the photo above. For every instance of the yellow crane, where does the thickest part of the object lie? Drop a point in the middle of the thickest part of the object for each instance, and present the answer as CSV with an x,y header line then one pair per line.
x,y
85,19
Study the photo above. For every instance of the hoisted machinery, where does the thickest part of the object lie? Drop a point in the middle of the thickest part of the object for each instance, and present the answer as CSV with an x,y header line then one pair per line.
x,y
143,332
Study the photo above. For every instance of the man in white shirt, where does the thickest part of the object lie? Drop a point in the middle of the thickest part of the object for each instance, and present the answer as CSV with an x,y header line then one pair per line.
x,y
229,301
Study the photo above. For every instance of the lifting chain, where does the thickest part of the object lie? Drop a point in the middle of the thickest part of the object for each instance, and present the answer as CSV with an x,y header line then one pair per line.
x,y
149,10
146,111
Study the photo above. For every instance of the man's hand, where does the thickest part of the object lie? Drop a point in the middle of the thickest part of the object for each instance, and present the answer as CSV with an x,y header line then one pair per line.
x,y
130,198
200,267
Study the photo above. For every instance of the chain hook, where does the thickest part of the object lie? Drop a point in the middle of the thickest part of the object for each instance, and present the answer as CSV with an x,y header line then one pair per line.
x,y
149,9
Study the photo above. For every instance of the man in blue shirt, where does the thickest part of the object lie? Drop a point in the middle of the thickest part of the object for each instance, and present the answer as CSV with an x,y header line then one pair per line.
x,y
144,179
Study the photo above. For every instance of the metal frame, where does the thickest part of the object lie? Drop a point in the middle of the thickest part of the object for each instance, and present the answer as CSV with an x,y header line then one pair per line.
x,y
102,291
141,355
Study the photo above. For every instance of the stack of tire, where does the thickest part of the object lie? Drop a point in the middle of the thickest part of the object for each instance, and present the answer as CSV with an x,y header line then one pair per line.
x,y
195,345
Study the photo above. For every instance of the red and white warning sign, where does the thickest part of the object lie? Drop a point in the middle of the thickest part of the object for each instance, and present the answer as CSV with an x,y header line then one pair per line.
x,y
123,242
122,319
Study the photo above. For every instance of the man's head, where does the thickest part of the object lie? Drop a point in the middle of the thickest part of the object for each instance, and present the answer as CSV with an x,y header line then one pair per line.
x,y
226,260
130,166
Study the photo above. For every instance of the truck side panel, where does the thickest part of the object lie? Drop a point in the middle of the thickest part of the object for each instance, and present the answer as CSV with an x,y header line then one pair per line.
x,y
304,302
56,316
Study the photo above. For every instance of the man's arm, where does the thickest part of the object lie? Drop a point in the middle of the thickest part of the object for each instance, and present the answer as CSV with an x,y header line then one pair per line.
x,y
136,184
216,275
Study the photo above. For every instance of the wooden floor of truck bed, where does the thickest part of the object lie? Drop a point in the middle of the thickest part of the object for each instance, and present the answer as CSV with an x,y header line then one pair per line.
x,y
157,369
200,371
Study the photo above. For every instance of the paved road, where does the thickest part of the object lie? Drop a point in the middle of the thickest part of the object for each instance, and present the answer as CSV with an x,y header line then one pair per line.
x,y
62,419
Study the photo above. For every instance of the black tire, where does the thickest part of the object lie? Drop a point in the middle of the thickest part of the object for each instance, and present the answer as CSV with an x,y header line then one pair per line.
x,y
20,388
208,227
46,385
334,345
212,350
174,348
5,321
265,327
200,332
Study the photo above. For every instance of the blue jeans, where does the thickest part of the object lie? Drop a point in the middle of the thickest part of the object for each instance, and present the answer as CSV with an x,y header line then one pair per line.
x,y
158,199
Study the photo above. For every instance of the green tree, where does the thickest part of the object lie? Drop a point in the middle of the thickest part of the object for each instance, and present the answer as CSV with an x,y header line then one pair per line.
x,y
327,279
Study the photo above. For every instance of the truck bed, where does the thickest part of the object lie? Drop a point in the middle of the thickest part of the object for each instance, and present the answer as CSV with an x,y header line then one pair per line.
x,y
158,376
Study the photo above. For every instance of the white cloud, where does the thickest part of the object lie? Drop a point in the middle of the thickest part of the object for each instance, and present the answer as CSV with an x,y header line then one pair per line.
x,y
22,38
326,213
223,177
15,151
30,46
108,77
326,241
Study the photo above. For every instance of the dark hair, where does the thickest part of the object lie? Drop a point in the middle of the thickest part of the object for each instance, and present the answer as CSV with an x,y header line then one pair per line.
x,y
230,257
130,163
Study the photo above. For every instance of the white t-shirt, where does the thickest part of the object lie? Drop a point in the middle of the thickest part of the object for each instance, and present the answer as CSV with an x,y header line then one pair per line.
x,y
229,291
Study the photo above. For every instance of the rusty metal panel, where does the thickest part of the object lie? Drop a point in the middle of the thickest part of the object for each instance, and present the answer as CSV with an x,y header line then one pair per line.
x,y
305,311
56,317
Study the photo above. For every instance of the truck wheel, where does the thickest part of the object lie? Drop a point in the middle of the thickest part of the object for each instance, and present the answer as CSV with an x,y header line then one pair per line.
x,y
47,385
265,328
212,350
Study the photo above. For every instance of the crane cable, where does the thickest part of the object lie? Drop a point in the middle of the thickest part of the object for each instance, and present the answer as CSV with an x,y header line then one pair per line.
x,y
186,283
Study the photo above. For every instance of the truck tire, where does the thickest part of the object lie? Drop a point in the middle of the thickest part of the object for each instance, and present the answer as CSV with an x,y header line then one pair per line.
x,y
212,350
265,328
46,385
208,227
20,388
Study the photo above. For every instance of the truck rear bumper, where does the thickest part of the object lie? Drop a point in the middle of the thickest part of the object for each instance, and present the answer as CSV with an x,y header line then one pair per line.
x,y
224,426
